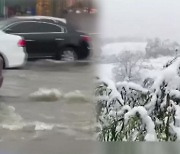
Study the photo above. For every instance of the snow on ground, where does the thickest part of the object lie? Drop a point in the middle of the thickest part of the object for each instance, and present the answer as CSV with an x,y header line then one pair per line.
x,y
170,75
152,67
156,63
112,50
149,67
103,70
117,48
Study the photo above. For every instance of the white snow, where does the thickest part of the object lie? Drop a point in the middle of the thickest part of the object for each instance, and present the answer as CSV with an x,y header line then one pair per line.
x,y
176,130
175,93
151,68
100,98
169,75
112,113
177,115
123,109
118,48
152,103
111,85
131,86
103,70
150,127
156,63
163,104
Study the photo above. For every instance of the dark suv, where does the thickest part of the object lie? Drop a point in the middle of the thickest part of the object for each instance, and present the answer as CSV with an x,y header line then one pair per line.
x,y
49,37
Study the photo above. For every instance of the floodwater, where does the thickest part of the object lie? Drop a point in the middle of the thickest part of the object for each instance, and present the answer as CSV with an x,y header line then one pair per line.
x,y
60,118
46,107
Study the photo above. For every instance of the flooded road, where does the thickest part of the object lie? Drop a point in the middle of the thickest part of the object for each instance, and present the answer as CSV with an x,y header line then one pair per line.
x,y
46,107
60,113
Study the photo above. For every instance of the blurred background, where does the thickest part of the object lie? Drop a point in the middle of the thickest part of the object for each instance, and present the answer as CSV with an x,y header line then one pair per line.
x,y
56,8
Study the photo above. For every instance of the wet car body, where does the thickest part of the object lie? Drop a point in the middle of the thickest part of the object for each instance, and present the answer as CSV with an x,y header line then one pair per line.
x,y
49,37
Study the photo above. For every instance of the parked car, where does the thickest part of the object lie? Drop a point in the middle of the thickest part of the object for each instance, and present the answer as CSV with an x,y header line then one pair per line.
x,y
12,51
48,37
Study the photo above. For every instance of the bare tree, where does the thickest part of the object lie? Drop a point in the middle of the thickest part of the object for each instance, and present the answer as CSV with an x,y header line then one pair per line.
x,y
128,65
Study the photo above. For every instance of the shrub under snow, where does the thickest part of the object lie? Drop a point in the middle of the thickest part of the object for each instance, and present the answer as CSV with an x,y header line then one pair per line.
x,y
127,111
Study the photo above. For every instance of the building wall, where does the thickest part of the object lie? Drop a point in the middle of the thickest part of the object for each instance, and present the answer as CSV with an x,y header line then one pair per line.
x,y
51,7
44,7
70,3
2,7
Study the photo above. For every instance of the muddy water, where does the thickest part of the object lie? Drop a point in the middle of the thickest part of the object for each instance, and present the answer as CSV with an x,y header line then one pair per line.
x,y
44,125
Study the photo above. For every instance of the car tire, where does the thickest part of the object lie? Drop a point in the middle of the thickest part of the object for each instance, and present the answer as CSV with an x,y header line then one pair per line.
x,y
68,54
3,62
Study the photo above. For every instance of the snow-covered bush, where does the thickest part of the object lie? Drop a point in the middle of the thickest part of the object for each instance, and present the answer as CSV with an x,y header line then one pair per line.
x,y
127,111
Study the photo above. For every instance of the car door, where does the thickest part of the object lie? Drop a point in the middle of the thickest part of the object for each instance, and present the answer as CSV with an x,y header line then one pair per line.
x,y
52,34
29,31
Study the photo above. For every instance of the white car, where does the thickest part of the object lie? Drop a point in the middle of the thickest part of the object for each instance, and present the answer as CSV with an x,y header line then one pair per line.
x,y
12,50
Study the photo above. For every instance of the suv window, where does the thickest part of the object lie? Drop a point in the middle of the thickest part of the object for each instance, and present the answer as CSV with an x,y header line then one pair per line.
x,y
24,27
47,27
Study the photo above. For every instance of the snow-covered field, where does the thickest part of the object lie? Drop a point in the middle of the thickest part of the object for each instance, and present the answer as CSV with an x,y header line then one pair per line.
x,y
153,66
105,70
149,67
144,110
111,51
117,48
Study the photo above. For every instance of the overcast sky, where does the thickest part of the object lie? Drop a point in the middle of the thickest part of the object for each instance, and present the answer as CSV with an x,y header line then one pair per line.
x,y
140,18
